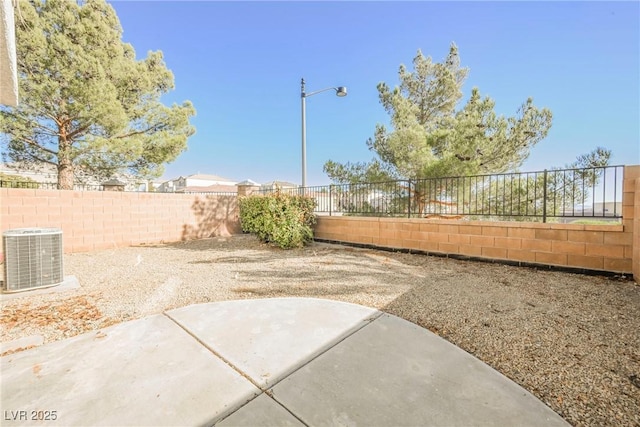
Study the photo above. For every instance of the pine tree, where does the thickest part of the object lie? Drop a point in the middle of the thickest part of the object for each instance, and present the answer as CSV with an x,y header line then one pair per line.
x,y
431,139
87,105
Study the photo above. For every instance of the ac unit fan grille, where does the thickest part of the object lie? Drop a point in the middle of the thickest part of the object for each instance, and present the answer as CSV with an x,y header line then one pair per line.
x,y
33,258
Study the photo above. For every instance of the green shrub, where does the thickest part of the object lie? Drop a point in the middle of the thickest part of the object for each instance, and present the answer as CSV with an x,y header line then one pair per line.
x,y
279,218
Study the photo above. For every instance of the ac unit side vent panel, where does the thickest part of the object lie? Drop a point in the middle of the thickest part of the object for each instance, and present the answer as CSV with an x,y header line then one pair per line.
x,y
33,258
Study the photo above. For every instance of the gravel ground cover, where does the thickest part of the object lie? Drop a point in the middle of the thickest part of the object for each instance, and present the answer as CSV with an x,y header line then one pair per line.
x,y
572,340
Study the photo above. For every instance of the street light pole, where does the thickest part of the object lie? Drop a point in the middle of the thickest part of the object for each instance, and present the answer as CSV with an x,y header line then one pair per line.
x,y
340,91
304,134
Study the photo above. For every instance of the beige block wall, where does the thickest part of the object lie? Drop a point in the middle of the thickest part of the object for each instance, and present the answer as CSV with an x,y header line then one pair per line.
x,y
613,248
593,247
636,229
105,219
99,220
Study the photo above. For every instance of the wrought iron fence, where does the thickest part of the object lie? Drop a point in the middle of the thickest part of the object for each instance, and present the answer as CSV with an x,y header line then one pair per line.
x,y
565,194
568,194
97,187
47,185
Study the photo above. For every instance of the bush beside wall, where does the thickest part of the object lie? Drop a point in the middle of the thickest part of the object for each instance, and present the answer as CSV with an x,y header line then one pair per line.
x,y
279,218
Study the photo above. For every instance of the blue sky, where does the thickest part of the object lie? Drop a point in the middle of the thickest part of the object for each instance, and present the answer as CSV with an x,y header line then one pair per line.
x,y
240,63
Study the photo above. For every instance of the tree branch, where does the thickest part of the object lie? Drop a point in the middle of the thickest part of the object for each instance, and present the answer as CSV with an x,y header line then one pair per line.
x,y
140,132
38,146
36,158
34,123
78,131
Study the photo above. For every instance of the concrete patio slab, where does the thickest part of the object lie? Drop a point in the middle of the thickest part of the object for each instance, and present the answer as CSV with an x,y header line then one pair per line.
x,y
261,411
318,362
268,339
138,373
393,372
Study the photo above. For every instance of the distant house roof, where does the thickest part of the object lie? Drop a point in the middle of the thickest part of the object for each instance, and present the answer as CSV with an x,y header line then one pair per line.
x,y
248,182
114,181
208,189
283,184
206,177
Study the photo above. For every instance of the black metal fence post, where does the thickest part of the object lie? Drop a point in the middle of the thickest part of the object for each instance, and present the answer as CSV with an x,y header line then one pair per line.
x,y
409,199
544,197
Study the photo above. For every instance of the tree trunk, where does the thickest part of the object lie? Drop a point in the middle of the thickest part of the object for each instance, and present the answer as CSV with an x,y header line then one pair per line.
x,y
65,164
65,176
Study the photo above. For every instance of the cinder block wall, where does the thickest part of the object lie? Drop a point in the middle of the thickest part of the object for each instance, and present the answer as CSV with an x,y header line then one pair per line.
x,y
636,226
105,219
108,219
613,248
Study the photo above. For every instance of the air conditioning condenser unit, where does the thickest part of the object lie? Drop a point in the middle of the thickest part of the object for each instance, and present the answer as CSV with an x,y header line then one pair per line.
x,y
32,258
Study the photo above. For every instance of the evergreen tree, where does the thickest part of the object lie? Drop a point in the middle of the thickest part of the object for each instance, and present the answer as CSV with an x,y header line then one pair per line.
x,y
430,138
87,105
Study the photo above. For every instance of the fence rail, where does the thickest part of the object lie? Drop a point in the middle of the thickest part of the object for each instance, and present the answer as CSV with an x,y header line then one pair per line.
x,y
565,194
532,196
47,185
95,187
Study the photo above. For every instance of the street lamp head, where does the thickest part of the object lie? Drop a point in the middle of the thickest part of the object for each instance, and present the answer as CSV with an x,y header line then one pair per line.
x,y
341,91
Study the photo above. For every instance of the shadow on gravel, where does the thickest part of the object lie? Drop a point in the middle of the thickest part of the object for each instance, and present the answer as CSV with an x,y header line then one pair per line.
x,y
336,266
302,291
247,249
317,276
222,250
235,260
267,256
